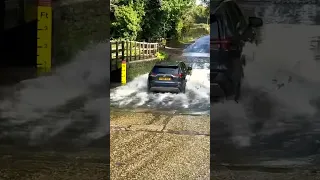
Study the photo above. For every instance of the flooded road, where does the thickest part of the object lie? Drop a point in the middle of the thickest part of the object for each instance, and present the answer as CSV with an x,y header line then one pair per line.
x,y
162,135
196,99
278,119
135,95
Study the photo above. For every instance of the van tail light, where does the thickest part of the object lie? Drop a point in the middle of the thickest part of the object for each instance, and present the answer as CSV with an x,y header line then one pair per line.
x,y
178,75
153,74
224,44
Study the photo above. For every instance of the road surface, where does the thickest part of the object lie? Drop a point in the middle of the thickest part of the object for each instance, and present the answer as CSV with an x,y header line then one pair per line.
x,y
157,145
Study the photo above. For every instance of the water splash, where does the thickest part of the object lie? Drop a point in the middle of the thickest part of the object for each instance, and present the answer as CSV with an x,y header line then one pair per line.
x,y
277,113
75,94
197,96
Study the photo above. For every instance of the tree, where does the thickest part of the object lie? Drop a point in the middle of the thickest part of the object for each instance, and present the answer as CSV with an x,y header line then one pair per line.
x,y
151,19
126,24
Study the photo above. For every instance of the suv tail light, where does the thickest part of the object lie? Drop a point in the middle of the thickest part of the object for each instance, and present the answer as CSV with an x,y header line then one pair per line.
x,y
153,74
178,75
224,44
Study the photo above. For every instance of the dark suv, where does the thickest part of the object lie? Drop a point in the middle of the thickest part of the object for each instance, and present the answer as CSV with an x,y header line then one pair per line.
x,y
168,77
229,30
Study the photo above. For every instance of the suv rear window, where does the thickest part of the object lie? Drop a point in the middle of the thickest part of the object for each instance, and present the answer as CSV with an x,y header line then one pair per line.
x,y
165,70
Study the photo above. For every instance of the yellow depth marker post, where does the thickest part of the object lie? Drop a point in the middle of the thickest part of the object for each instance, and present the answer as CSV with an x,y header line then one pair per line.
x,y
123,72
44,36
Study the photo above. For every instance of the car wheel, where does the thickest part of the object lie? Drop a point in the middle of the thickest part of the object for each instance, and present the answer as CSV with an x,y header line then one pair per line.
x,y
183,90
148,88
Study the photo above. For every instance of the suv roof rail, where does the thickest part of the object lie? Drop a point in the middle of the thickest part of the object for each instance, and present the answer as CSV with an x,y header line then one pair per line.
x,y
214,5
168,63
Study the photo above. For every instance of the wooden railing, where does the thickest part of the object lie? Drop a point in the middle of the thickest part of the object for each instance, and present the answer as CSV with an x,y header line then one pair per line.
x,y
131,51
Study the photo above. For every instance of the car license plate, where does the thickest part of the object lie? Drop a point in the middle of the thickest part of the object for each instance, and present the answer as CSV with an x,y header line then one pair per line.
x,y
164,79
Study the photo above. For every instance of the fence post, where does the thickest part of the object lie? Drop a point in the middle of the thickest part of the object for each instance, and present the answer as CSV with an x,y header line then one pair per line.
x,y
154,49
130,47
135,50
127,51
143,49
139,50
117,54
122,50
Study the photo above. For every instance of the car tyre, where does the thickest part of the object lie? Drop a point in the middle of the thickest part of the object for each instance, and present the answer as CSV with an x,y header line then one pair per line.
x,y
149,89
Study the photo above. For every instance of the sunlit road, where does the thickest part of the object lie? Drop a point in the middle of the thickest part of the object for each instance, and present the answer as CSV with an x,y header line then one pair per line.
x,y
159,145
278,119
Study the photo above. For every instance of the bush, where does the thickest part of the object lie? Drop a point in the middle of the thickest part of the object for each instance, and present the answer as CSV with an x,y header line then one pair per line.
x,y
162,55
127,23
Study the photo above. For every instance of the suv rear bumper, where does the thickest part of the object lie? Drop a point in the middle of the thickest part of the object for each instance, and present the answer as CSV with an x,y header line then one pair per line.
x,y
165,86
165,89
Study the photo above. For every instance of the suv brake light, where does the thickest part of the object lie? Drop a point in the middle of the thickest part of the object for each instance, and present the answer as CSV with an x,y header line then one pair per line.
x,y
178,75
224,44
153,74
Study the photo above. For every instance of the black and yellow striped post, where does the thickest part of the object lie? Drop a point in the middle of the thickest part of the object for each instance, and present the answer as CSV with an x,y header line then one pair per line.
x,y
44,36
124,72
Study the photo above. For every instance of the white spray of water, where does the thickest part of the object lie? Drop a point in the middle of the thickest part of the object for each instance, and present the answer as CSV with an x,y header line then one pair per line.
x,y
134,94
197,96
284,56
36,100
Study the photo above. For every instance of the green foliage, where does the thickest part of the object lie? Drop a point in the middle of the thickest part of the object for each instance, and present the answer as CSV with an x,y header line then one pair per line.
x,y
152,24
201,14
150,20
196,31
161,55
127,23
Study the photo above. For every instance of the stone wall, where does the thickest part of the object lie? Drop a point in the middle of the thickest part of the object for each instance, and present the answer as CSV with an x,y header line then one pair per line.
x,y
77,24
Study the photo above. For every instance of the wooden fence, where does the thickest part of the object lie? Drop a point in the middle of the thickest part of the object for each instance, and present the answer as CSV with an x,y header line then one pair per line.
x,y
131,51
